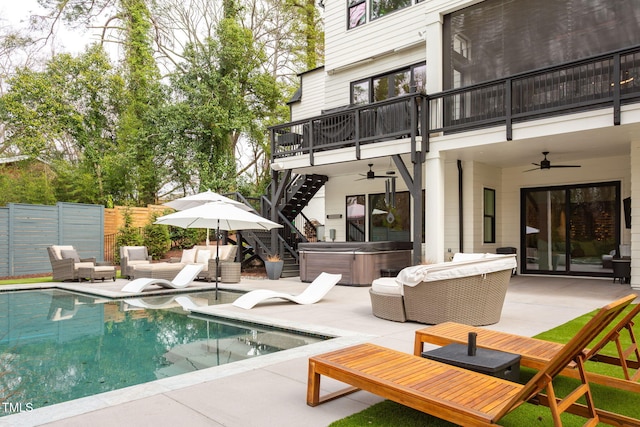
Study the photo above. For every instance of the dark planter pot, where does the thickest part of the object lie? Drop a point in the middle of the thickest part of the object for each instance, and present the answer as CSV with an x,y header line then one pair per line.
x,y
274,269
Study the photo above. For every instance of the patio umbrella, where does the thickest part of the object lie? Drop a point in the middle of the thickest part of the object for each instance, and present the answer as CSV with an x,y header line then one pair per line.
x,y
219,215
194,200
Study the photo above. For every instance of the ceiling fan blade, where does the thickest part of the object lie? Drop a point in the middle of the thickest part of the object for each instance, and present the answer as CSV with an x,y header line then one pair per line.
x,y
565,166
534,169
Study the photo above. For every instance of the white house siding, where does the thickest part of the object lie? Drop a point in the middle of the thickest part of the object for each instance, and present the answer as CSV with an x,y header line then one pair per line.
x,y
387,43
312,100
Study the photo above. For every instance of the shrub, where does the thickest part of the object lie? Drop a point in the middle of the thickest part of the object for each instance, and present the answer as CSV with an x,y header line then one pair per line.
x,y
156,238
127,235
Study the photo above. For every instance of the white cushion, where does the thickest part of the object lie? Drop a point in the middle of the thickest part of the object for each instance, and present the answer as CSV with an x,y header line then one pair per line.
x,y
137,253
203,257
138,262
223,252
490,263
188,256
460,256
386,285
77,265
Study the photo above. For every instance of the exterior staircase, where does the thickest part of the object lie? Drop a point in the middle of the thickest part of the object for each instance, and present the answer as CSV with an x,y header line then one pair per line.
x,y
297,195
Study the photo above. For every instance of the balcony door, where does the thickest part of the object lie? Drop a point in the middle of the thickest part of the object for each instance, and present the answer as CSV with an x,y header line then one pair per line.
x,y
566,230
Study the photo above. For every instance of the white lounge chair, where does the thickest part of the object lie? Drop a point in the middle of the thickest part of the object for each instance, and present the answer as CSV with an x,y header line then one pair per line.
x,y
314,292
182,280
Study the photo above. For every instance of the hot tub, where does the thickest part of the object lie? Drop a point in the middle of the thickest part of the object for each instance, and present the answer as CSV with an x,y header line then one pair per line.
x,y
358,262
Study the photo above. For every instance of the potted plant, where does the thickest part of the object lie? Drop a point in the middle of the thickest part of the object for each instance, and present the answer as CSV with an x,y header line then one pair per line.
x,y
274,265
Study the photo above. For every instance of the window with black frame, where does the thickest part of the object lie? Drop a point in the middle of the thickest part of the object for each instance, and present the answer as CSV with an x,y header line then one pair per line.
x,y
396,83
357,9
489,227
355,218
390,221
384,7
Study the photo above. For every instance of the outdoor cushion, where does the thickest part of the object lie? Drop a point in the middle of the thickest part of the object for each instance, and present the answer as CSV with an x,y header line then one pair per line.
x,y
188,256
137,254
58,248
411,276
203,257
78,265
387,286
461,256
70,253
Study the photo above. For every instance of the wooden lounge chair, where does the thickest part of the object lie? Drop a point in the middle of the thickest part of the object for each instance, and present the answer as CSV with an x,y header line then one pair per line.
x,y
536,353
458,395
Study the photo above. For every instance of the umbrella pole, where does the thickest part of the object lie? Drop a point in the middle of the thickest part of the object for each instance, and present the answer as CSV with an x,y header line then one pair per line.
x,y
217,257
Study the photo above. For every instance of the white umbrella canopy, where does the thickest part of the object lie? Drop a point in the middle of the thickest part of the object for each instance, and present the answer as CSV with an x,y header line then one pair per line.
x,y
199,199
219,215
194,200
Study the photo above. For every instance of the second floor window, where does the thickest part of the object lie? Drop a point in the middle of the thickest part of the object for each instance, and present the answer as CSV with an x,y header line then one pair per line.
x,y
357,10
382,7
390,85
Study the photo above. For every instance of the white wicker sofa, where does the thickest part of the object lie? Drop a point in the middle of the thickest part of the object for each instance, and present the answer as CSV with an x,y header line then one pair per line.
x,y
470,290
197,255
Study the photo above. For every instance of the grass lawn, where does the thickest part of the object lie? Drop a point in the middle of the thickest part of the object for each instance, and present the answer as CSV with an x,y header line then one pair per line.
x,y
391,414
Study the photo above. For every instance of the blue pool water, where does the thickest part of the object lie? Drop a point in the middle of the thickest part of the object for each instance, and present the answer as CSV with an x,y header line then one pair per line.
x,y
57,346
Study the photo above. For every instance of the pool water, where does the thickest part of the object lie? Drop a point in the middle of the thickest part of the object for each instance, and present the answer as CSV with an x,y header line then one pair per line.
x,y
57,346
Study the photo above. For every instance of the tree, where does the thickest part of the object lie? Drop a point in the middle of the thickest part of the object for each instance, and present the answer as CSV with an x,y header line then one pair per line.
x,y
65,116
228,95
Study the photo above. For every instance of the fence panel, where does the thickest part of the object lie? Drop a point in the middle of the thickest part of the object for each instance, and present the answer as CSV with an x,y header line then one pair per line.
x,y
27,230
32,229
4,242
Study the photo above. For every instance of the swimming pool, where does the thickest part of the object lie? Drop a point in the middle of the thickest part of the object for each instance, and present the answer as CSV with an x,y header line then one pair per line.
x,y
57,346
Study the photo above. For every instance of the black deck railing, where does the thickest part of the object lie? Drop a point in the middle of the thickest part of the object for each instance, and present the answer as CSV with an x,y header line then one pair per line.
x,y
604,81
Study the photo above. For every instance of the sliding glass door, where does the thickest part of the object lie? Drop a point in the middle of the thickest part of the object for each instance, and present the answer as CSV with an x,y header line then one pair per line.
x,y
566,230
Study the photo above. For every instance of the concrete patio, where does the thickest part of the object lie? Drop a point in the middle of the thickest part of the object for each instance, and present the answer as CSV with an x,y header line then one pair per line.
x,y
271,390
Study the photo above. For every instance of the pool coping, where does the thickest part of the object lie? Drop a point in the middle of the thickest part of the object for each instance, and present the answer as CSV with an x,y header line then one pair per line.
x,y
341,338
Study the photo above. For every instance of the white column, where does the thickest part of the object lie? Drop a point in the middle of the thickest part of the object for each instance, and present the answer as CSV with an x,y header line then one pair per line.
x,y
433,36
635,215
434,207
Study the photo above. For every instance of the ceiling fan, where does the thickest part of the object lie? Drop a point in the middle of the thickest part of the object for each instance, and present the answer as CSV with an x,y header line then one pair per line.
x,y
390,184
372,175
546,164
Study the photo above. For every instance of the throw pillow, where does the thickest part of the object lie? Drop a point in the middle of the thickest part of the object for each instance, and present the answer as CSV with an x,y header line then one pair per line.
x,y
188,256
137,254
70,253
203,257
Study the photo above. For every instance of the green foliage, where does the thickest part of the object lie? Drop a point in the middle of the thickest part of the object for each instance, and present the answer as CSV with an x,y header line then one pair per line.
x,y
127,235
27,182
185,238
117,134
156,238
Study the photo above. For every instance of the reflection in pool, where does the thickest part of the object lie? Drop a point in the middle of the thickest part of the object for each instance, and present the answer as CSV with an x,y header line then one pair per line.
x,y
57,346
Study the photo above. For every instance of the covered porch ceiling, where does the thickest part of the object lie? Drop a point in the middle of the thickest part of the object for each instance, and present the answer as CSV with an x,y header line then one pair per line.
x,y
563,148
